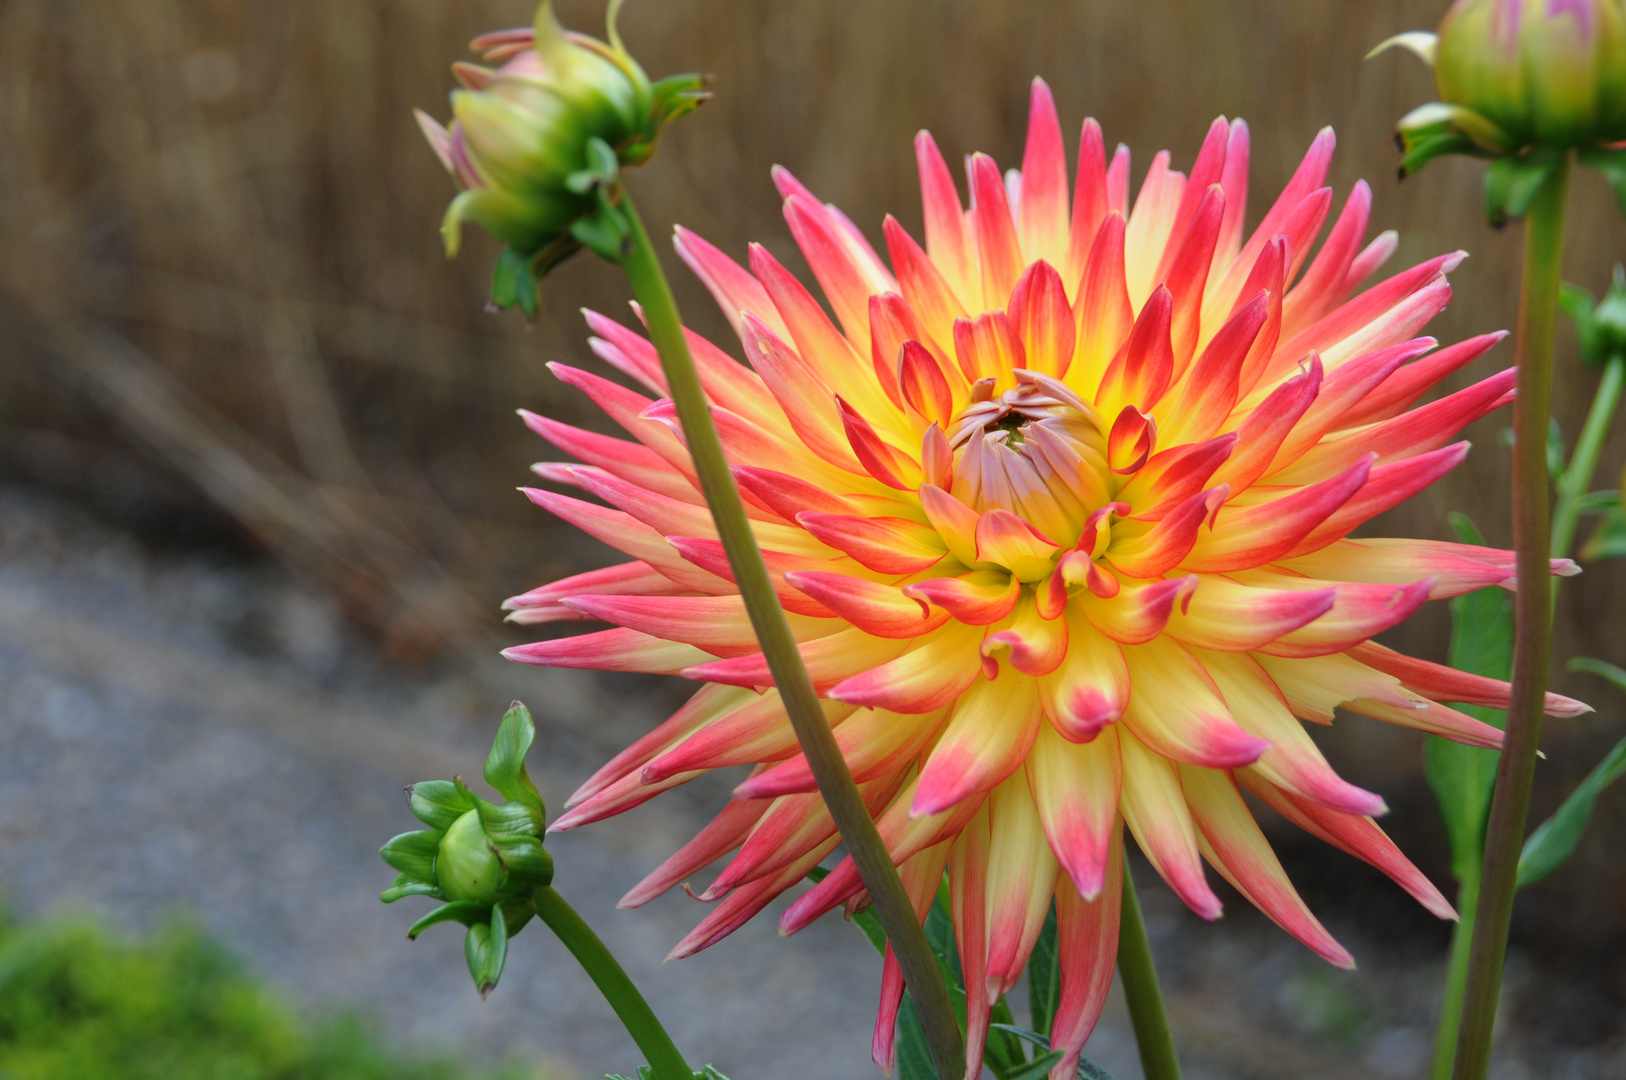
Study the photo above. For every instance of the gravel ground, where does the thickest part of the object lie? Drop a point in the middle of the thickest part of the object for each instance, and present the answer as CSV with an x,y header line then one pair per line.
x,y
179,732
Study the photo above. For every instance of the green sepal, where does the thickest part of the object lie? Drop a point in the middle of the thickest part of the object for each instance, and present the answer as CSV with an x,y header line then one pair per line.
x,y
1513,181
466,912
514,281
602,168
1419,148
438,803
605,231
1554,840
486,949
1608,540
408,886
413,853
505,765
1612,163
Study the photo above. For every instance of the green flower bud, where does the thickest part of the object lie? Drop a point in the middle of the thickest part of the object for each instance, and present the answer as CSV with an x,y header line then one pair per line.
x,y
484,859
536,144
1544,72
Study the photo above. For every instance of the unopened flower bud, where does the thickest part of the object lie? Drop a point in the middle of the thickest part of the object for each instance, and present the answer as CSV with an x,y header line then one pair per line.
x,y
1547,72
536,144
484,859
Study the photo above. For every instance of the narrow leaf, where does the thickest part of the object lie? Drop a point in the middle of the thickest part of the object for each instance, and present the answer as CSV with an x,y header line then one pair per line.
x,y
1044,976
1608,540
1036,1069
1462,777
1555,839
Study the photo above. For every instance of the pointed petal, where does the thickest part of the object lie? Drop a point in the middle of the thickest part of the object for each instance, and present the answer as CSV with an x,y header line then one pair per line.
x,y
873,607
725,833
1175,710
1091,687
1076,788
933,673
610,650
1448,684
886,545
1087,953
1245,536
989,734
1155,810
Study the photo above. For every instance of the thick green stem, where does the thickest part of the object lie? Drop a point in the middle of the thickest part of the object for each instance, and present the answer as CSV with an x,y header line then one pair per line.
x,y
1146,1013
1533,625
801,703
1456,978
1577,478
606,972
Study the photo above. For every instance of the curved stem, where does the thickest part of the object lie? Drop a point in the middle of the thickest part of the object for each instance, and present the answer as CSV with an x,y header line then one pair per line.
x,y
612,981
1533,625
1146,1013
1572,486
801,703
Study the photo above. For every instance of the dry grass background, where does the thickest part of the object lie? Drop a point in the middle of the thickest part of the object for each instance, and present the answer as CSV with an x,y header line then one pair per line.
x,y
222,296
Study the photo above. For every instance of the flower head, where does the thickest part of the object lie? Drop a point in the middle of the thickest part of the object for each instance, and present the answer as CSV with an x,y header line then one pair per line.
x,y
1059,508
536,143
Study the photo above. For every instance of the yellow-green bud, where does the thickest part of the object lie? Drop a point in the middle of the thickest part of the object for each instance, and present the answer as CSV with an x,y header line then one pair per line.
x,y
1545,72
536,143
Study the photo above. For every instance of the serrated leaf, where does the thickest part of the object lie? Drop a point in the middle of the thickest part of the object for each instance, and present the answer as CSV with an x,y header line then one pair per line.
x,y
1554,840
1462,777
486,950
505,765
1608,540
1044,976
438,803
461,911
413,853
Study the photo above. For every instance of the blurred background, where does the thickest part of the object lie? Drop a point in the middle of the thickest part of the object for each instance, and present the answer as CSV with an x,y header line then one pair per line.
x,y
258,455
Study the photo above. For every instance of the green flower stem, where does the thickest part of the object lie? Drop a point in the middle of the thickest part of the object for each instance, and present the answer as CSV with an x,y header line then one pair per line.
x,y
807,717
1577,477
1456,977
1151,1022
1533,625
612,981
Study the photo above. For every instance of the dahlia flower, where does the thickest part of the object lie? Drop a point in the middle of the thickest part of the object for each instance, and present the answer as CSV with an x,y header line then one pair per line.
x,y
1059,508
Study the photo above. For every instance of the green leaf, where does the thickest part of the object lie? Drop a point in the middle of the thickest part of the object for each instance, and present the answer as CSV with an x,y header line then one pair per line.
x,y
505,765
1462,777
1601,668
413,853
486,950
1554,839
1612,163
1579,304
463,911
914,1055
1087,1069
870,924
1555,449
1044,976
1608,540
1036,1069
1596,503
438,803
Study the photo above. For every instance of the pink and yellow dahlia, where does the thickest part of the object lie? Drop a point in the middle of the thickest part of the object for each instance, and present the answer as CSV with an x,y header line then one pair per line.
x,y
1059,508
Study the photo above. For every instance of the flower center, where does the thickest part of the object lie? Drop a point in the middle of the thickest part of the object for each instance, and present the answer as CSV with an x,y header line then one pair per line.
x,y
1036,450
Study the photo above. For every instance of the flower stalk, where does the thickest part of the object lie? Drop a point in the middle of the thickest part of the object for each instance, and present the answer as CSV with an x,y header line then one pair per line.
x,y
1153,1037
612,981
1577,477
1533,619
784,661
